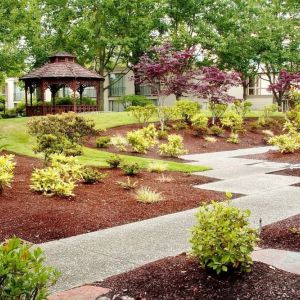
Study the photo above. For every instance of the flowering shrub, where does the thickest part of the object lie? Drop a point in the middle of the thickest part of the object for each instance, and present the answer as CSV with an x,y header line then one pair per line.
x,y
174,146
23,274
7,166
222,239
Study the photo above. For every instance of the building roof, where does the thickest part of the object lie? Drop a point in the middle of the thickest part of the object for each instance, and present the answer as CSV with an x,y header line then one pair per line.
x,y
62,65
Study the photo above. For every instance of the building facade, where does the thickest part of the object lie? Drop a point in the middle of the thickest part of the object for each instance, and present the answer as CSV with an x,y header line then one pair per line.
x,y
120,83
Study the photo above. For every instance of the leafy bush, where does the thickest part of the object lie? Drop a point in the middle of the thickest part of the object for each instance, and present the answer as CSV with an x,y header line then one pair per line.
x,y
174,146
222,239
232,120
50,182
9,113
199,122
120,142
142,139
114,161
20,109
162,134
180,125
157,167
266,118
60,133
255,125
242,107
216,130
186,109
91,175
287,143
128,184
294,116
217,110
166,114
294,97
142,113
131,169
7,166
146,195
103,142
134,100
233,138
23,274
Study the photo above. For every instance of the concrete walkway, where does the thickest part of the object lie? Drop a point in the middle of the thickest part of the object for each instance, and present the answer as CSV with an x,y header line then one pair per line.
x,y
97,255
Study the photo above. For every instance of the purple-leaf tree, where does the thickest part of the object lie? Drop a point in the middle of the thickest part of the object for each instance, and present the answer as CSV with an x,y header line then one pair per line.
x,y
213,84
168,72
283,85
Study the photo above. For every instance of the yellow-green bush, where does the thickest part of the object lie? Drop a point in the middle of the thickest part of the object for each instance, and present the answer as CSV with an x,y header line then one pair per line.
x,y
174,147
7,166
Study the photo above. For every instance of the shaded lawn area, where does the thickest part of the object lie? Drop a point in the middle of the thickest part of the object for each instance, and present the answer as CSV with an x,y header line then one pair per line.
x,y
16,139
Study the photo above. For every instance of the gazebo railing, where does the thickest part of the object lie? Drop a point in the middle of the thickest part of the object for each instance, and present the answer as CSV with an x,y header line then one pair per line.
x,y
42,110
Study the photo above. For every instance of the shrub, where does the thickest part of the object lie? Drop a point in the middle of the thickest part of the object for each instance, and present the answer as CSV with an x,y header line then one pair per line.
x,y
128,184
131,169
186,109
233,138
157,167
60,133
294,97
232,120
222,239
142,139
23,274
91,175
180,125
20,109
216,130
119,142
146,195
142,113
217,110
162,134
242,107
294,116
174,147
50,182
287,143
255,125
199,122
266,118
134,100
103,142
7,166
114,161
10,113
165,114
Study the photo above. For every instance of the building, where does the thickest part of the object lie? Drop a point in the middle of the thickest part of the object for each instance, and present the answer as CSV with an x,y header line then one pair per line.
x,y
120,83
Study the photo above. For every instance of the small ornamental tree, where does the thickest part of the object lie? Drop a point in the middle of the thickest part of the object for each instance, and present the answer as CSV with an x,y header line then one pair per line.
x,y
285,82
213,84
167,72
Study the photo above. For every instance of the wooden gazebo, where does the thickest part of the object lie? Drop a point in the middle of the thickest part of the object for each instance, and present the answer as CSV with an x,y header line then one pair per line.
x,y
61,71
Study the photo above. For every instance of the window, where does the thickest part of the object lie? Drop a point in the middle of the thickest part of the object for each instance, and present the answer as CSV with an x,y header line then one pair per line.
x,y
19,94
117,85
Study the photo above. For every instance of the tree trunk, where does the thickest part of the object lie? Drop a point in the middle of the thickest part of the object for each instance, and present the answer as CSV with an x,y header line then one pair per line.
x,y
245,94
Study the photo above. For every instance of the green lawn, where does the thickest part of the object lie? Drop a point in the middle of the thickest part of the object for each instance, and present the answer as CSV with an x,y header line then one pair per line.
x,y
18,140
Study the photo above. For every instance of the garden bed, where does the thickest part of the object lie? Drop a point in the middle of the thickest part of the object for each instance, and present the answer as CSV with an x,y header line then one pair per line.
x,y
284,234
181,278
276,156
196,144
37,218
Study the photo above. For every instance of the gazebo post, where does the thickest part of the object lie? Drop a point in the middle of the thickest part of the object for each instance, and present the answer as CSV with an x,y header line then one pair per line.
x,y
97,86
26,96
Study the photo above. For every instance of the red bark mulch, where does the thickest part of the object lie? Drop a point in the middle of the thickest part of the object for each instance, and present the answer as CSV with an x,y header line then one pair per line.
x,y
196,144
180,277
276,156
284,234
37,218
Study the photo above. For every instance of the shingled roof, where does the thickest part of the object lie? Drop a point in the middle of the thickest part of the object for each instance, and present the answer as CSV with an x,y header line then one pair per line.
x,y
62,65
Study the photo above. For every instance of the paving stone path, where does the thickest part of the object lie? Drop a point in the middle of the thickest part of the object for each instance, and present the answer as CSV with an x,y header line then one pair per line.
x,y
94,256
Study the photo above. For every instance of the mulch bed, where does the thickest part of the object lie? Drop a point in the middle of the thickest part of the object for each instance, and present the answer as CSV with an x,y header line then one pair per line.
x,y
276,156
284,234
196,144
180,277
37,218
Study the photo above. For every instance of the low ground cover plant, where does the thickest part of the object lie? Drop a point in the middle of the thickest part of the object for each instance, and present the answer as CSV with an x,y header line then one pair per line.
x,y
128,184
157,167
7,166
174,147
103,142
233,138
131,168
114,161
23,274
146,195
222,239
91,175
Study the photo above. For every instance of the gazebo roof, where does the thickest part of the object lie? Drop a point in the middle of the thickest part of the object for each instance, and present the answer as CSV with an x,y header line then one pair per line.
x,y
62,65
